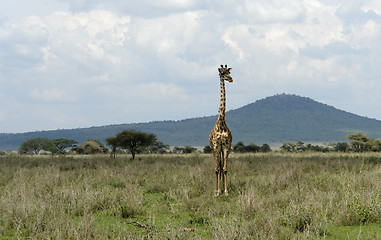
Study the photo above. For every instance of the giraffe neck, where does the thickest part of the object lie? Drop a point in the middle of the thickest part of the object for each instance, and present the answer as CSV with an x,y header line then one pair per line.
x,y
221,110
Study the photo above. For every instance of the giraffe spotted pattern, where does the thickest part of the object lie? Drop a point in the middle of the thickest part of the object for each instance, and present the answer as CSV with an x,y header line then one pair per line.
x,y
220,138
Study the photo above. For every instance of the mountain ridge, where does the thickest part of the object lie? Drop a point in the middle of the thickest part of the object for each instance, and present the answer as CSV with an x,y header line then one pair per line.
x,y
274,119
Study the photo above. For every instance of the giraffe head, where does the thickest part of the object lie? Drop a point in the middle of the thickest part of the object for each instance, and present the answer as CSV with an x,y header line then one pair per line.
x,y
225,73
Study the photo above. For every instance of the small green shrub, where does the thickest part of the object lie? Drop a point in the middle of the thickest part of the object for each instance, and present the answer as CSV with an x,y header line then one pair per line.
x,y
117,184
127,211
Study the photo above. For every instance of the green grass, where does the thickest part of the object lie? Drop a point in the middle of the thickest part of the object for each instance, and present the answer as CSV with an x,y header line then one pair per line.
x,y
369,231
271,196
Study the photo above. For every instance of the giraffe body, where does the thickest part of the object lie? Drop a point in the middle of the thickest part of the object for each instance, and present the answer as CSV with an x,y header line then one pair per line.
x,y
220,138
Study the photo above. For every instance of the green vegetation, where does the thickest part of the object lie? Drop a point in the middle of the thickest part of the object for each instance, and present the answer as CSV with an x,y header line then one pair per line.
x,y
131,140
272,196
62,144
184,150
362,143
90,147
35,145
59,146
251,148
359,143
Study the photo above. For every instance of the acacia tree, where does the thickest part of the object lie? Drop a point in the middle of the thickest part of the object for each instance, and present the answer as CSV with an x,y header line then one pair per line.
x,y
265,148
134,140
113,142
50,146
376,147
252,148
35,145
158,147
341,147
360,142
239,147
289,146
63,143
207,149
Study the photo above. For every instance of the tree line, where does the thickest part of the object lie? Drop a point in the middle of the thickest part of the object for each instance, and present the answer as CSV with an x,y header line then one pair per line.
x,y
134,142
359,142
240,147
128,140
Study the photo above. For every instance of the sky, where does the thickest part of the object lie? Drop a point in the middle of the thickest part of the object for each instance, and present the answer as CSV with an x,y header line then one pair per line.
x,y
80,63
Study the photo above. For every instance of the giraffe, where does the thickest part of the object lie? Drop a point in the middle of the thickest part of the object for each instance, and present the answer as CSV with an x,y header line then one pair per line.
x,y
220,138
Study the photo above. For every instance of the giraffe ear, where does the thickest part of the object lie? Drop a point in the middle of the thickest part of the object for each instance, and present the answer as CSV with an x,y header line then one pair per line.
x,y
229,69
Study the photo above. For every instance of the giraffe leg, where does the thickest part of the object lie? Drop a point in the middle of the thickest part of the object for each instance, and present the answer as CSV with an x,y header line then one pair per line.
x,y
217,157
217,191
225,182
225,170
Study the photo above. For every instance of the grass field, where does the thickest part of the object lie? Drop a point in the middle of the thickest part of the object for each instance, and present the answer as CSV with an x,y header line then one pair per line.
x,y
271,196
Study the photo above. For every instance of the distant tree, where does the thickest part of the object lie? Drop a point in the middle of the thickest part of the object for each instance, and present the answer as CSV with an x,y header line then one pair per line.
x,y
189,149
92,146
341,147
135,140
50,147
309,147
376,145
77,150
359,142
265,148
239,147
158,147
317,148
113,142
184,150
207,149
32,145
35,145
251,148
63,143
178,150
289,146
300,146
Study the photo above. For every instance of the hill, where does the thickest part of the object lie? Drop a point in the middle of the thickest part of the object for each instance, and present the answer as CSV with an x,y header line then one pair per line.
x,y
292,118
274,119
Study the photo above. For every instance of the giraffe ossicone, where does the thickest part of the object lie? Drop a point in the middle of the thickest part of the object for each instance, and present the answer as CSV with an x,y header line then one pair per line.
x,y
220,138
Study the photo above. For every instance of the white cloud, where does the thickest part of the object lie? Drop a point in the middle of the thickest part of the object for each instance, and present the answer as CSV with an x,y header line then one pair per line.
x,y
170,33
160,91
91,35
51,95
175,4
372,6
94,53
104,78
271,11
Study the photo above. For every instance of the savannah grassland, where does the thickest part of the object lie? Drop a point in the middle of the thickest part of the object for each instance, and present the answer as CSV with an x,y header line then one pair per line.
x,y
271,196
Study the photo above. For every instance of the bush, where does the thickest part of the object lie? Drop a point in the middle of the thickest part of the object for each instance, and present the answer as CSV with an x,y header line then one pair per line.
x,y
251,148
